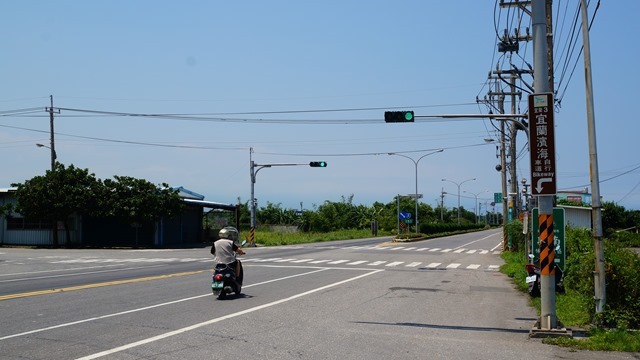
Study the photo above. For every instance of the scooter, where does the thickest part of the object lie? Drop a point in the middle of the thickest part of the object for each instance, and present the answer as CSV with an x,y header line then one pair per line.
x,y
225,280
533,278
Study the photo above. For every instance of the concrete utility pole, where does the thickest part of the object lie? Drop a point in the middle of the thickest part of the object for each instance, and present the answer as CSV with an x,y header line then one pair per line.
x,y
548,319
599,274
52,146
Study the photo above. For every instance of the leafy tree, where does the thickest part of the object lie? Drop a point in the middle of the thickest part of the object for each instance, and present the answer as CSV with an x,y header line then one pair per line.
x,y
57,195
138,200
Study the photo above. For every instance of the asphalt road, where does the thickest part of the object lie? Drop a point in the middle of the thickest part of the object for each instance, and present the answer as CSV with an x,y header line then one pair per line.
x,y
358,299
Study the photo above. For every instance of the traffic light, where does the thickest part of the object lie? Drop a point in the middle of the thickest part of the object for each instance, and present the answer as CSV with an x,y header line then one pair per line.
x,y
318,164
398,116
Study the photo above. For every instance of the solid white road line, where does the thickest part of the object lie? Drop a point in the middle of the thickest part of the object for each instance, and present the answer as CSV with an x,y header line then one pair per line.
x,y
222,318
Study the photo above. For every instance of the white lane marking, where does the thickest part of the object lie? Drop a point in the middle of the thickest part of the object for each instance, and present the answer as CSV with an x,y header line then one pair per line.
x,y
494,267
319,261
284,260
459,251
433,265
58,270
473,266
338,262
395,263
422,249
483,252
222,318
446,250
301,261
375,263
152,306
397,248
435,249
358,262
414,264
81,273
453,266
475,241
471,251
409,248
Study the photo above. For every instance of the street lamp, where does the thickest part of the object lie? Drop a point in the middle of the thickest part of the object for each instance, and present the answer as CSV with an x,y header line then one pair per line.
x,y
458,185
476,196
53,155
415,162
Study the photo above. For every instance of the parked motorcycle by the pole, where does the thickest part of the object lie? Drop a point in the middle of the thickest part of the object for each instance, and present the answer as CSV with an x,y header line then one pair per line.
x,y
533,278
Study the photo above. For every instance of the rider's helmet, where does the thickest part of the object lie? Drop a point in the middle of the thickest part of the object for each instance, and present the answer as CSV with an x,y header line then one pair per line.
x,y
228,232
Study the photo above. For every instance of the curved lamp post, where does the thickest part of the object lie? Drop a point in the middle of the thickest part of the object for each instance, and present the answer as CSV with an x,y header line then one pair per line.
x,y
458,185
415,162
476,196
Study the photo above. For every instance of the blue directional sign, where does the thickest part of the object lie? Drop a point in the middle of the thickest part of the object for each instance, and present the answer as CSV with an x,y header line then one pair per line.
x,y
404,215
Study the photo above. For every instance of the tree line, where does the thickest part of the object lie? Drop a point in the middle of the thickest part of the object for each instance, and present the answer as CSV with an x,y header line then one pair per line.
x,y
65,191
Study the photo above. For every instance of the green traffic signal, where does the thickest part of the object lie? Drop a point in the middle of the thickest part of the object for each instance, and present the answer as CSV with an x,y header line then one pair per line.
x,y
399,116
318,164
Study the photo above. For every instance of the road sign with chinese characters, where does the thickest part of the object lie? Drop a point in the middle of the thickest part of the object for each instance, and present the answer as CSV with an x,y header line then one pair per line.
x,y
542,144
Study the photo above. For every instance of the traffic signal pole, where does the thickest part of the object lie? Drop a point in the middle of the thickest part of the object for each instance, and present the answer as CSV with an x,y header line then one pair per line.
x,y
253,171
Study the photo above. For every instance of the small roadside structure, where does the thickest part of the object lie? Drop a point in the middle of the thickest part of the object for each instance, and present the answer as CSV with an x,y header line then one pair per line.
x,y
183,230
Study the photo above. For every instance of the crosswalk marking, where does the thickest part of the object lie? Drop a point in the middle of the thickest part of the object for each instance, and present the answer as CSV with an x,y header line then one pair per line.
x,y
471,252
358,262
434,249
422,249
410,248
338,262
395,263
446,250
376,263
319,261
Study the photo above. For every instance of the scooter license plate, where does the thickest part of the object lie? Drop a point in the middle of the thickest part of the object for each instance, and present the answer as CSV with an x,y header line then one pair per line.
x,y
217,285
530,279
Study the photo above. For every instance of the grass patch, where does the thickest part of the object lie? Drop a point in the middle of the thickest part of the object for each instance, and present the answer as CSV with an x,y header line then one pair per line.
x,y
602,340
271,238
573,310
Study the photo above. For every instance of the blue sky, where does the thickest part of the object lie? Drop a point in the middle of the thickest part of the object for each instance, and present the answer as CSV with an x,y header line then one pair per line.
x,y
247,74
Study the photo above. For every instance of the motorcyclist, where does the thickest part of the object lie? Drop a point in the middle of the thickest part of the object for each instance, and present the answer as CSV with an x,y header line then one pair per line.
x,y
225,249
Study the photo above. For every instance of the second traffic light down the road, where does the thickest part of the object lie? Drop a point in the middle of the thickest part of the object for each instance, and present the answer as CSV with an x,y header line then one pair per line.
x,y
318,164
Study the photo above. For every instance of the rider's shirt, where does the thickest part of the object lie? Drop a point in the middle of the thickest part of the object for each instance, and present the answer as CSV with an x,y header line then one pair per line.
x,y
224,250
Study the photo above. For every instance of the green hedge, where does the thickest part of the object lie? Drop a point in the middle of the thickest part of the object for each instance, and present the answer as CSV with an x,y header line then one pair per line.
x,y
430,229
622,266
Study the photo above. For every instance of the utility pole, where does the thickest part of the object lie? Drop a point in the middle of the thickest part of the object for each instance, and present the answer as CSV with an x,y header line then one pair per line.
x,y
548,319
54,225
599,274
52,145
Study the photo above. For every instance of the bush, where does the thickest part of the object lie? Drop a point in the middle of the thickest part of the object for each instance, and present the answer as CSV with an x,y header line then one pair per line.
x,y
518,239
622,308
627,239
433,228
